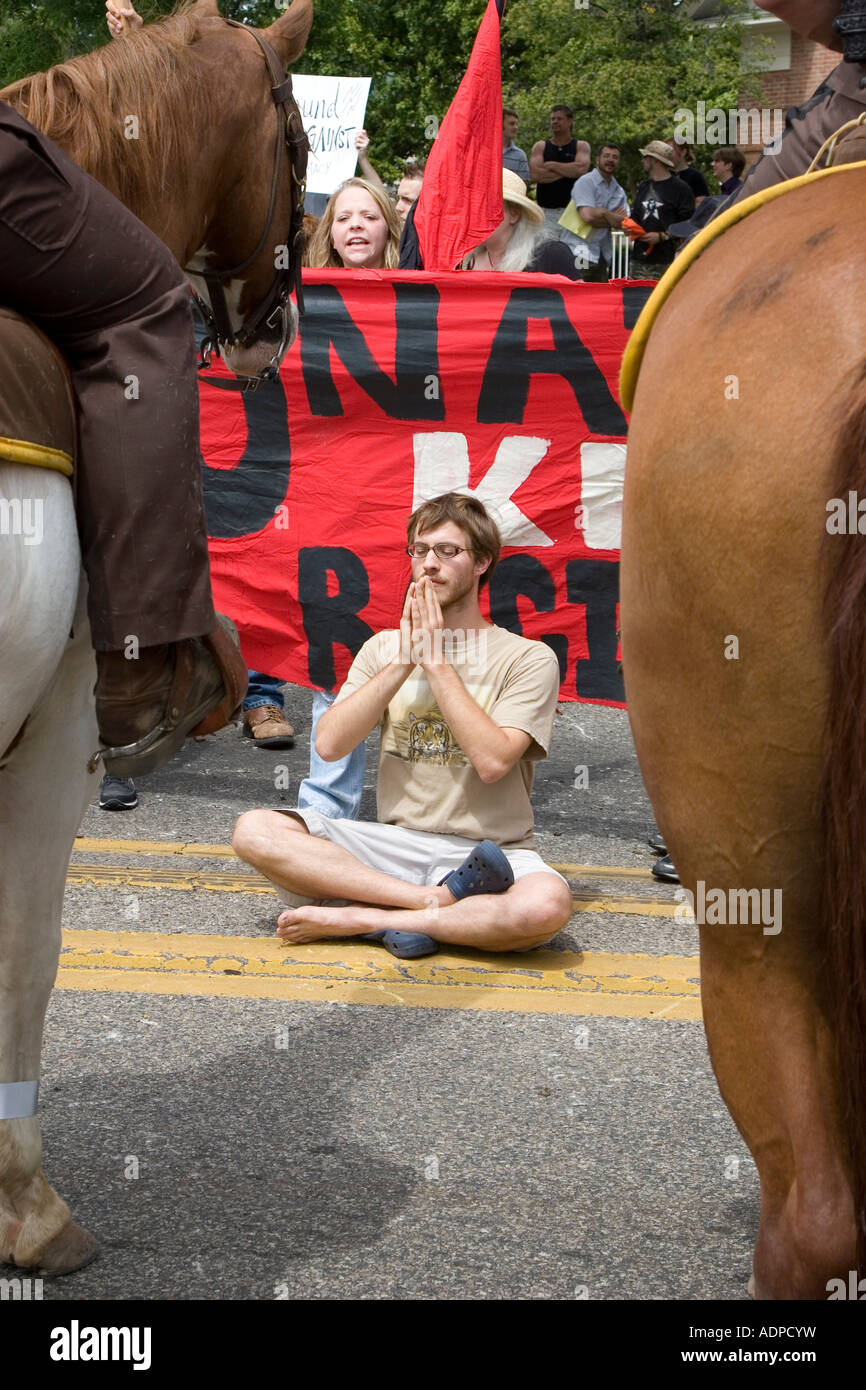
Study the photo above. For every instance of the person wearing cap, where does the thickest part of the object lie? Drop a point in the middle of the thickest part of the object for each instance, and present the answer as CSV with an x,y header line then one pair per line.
x,y
521,241
661,200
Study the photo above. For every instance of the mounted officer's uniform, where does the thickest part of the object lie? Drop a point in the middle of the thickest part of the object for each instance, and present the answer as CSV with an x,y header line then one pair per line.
x,y
840,98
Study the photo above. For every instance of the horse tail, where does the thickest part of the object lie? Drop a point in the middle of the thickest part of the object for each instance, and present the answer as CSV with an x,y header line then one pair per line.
x,y
843,802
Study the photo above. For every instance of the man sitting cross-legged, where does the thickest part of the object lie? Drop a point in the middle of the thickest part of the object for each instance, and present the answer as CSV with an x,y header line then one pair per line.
x,y
465,710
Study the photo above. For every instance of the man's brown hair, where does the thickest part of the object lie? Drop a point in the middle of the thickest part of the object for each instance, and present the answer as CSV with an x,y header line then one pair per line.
x,y
467,513
730,155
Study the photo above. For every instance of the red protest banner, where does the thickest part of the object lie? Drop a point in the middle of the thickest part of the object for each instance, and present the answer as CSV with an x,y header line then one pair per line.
x,y
404,385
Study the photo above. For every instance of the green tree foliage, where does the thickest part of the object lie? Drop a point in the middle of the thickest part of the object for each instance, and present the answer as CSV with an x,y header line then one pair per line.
x,y
624,65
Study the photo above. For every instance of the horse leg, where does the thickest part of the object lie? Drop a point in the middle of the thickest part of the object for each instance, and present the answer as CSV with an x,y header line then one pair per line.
x,y
735,793
765,1003
44,787
725,659
773,1053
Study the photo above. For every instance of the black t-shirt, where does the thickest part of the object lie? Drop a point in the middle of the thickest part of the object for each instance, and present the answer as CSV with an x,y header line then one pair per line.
x,y
656,207
557,194
554,258
695,180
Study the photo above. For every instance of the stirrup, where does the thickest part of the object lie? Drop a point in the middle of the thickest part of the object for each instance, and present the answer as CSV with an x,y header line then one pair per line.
x,y
126,750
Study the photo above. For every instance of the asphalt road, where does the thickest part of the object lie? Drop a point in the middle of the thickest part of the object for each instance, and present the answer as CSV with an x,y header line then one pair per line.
x,y
542,1126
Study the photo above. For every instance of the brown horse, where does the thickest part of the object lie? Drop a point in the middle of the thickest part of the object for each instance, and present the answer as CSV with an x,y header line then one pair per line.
x,y
744,650
205,166
178,121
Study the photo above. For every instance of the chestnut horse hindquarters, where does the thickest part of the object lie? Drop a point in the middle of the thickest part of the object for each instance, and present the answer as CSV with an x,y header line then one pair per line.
x,y
725,566
47,728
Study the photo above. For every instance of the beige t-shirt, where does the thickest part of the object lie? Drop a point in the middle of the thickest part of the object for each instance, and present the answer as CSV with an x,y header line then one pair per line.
x,y
426,781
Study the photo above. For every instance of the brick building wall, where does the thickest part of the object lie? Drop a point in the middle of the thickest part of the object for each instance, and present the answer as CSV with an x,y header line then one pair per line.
x,y
810,64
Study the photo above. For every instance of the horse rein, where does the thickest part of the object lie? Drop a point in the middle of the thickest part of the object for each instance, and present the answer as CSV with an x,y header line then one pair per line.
x,y
273,310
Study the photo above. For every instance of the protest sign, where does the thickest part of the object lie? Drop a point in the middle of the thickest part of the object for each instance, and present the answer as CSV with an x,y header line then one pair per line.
x,y
403,385
332,109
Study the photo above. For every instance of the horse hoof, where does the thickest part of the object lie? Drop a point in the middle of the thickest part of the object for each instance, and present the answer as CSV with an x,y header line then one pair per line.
x,y
72,1248
750,1287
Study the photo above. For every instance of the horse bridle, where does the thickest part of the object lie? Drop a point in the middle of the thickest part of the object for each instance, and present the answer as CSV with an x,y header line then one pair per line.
x,y
273,311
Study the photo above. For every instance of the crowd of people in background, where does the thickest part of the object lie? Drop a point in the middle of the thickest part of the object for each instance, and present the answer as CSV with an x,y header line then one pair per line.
x,y
566,228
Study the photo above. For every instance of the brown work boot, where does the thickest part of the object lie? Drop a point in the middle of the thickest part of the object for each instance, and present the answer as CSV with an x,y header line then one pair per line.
x,y
146,707
268,726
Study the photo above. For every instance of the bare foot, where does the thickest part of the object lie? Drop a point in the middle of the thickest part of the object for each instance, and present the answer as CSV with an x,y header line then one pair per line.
x,y
302,924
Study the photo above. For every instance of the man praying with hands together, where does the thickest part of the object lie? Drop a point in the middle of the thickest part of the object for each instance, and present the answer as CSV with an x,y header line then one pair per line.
x,y
465,710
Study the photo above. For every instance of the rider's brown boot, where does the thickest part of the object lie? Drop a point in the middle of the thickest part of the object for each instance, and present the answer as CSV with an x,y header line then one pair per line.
x,y
147,706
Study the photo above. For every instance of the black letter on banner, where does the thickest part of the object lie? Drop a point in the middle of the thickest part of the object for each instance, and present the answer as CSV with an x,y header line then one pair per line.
x,y
240,501
524,574
327,321
331,619
596,583
505,388
634,297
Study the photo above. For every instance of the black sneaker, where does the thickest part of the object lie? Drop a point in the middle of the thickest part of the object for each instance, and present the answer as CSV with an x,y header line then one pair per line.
x,y
117,794
665,870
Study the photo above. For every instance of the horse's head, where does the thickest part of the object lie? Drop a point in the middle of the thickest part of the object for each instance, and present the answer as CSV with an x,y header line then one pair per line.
x,y
249,257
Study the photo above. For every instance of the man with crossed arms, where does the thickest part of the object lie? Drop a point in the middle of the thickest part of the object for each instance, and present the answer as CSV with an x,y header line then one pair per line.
x,y
465,710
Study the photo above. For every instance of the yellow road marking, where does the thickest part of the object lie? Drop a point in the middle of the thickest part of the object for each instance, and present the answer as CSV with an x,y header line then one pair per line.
x,y
352,972
197,851
129,876
84,845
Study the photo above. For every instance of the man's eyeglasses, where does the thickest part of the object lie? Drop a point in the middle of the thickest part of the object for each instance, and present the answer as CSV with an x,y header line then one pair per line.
x,y
445,550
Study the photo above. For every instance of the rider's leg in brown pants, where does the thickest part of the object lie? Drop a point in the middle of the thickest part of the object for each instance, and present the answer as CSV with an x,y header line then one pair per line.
x,y
112,298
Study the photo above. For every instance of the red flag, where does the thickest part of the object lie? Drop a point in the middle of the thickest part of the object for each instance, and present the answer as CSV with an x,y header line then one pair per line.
x,y
460,202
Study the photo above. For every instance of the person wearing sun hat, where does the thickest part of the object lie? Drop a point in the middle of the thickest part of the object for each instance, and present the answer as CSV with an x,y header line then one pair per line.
x,y
661,200
521,241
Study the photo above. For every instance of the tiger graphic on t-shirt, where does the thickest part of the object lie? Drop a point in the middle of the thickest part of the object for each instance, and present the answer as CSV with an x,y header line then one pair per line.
x,y
430,740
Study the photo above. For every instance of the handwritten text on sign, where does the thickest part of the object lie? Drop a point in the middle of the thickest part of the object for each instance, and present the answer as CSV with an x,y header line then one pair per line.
x,y
332,109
